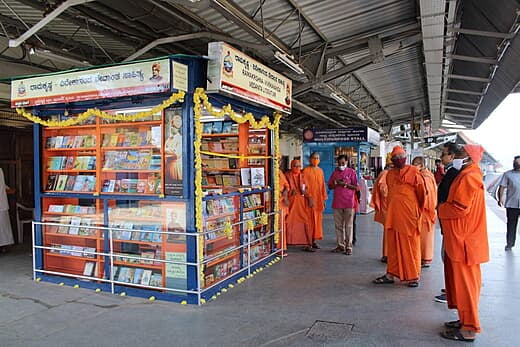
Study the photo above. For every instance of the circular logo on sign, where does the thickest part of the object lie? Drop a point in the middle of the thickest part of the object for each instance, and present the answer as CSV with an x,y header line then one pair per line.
x,y
308,135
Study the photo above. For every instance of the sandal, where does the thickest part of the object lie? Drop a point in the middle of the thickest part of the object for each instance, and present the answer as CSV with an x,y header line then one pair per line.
x,y
455,324
455,335
348,251
413,284
383,259
338,249
308,249
315,245
383,280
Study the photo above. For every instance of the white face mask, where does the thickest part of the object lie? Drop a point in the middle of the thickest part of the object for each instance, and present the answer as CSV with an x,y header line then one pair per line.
x,y
458,163
342,167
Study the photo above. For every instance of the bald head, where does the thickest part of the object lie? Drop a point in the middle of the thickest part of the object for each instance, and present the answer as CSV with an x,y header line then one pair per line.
x,y
419,162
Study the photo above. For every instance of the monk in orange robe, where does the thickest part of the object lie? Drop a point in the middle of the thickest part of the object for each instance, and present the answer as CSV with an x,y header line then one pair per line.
x,y
379,204
284,210
299,223
406,196
429,215
315,185
463,218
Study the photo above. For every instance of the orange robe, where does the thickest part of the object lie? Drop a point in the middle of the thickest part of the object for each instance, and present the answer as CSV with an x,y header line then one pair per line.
x,y
284,185
299,223
463,218
428,217
406,195
315,185
379,204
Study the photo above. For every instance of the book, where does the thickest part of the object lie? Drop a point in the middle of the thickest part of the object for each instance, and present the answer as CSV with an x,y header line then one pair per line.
x,y
257,176
217,128
145,279
207,128
56,208
60,184
79,183
226,127
156,280
51,183
147,255
64,229
69,185
89,268
138,275
74,228
122,276
156,136
245,176
86,231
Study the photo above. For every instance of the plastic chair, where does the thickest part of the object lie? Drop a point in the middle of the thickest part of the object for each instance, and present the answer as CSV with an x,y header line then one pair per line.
x,y
21,221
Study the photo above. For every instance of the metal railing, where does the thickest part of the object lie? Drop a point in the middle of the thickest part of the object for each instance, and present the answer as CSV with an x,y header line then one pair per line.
x,y
110,254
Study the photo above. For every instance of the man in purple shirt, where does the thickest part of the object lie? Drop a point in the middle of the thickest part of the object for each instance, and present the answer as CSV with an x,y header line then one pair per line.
x,y
344,182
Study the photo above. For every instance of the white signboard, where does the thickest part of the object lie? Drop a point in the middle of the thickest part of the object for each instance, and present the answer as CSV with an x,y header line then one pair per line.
x,y
122,80
233,72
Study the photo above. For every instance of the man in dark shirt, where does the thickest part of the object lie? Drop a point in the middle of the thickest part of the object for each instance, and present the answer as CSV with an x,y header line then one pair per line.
x,y
447,156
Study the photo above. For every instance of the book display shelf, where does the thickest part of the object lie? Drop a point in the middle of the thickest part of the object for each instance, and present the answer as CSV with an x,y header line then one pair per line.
x,y
116,189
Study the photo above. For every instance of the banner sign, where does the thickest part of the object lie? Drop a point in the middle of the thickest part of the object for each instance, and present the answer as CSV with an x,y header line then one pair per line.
x,y
122,80
231,71
351,134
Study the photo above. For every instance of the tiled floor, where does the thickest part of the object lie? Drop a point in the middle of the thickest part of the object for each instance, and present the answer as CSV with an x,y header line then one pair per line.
x,y
332,293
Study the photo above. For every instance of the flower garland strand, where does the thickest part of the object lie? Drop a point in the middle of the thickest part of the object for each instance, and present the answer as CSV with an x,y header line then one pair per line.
x,y
200,100
177,97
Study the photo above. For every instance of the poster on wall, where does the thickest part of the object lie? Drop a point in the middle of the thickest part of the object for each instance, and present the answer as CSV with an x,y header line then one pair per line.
x,y
233,72
173,151
115,81
175,246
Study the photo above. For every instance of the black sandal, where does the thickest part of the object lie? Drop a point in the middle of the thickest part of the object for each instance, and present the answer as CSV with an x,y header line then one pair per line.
x,y
455,335
338,249
308,249
383,280
413,284
454,324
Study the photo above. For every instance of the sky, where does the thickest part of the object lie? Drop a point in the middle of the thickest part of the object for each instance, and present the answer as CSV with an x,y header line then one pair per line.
x,y
500,133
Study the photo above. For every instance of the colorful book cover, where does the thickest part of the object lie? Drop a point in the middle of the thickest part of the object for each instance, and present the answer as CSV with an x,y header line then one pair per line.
x,y
207,128
80,182
113,140
156,280
123,274
226,127
145,279
70,183
106,186
257,176
217,128
138,275
86,231
64,229
156,136
147,255
62,181
51,182
89,269
78,141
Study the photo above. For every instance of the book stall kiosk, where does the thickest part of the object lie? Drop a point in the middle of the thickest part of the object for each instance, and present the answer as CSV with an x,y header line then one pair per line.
x,y
355,142
134,192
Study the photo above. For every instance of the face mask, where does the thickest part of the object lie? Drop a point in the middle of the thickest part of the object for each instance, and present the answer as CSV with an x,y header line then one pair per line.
x,y
399,162
342,167
315,162
458,163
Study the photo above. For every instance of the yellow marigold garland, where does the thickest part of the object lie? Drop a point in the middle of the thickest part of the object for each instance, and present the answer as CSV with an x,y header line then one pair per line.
x,y
177,97
200,100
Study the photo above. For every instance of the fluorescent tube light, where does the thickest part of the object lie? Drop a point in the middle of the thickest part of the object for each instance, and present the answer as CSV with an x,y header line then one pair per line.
x,y
289,62
338,98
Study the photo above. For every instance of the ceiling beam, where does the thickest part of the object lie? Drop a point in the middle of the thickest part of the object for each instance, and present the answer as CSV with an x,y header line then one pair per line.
x,y
483,33
483,60
460,91
458,115
459,108
316,114
469,78
462,102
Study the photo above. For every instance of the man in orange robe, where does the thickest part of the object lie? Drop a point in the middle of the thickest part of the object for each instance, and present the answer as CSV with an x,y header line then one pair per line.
x,y
378,202
299,223
406,196
463,218
284,210
315,185
427,222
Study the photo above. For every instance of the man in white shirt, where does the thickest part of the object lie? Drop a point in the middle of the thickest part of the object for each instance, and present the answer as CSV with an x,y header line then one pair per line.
x,y
511,181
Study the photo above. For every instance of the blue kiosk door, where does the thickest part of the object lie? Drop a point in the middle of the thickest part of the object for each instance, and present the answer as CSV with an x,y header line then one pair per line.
x,y
327,164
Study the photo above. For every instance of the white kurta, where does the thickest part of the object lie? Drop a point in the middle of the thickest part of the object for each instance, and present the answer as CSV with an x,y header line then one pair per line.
x,y
6,234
